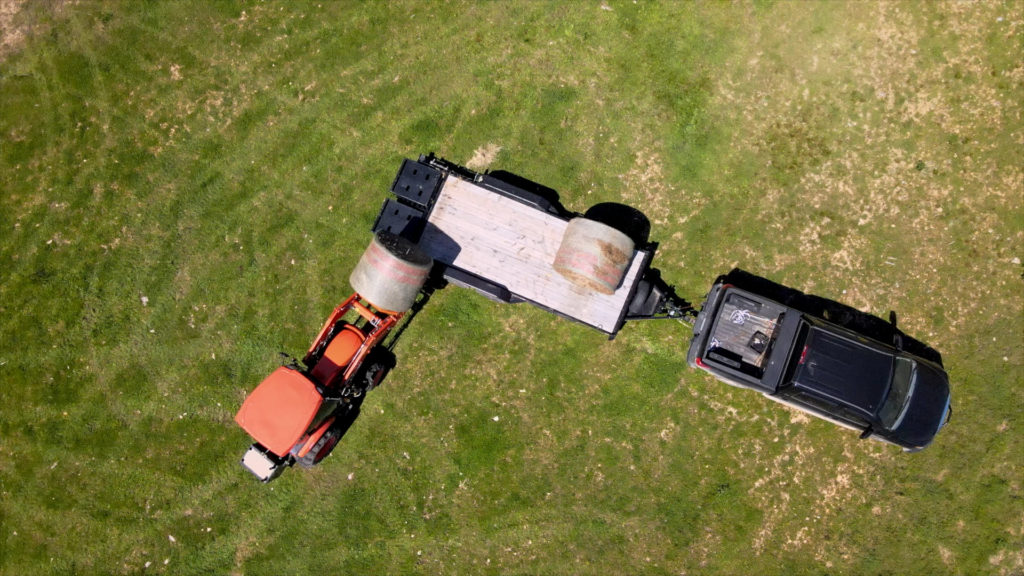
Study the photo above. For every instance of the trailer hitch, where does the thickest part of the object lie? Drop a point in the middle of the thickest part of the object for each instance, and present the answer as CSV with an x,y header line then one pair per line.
x,y
654,299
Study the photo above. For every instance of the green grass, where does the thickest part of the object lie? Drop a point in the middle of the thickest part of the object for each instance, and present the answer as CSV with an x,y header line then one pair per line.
x,y
187,185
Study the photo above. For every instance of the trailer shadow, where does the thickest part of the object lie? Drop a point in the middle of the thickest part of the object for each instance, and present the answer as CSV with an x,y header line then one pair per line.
x,y
835,312
537,194
623,218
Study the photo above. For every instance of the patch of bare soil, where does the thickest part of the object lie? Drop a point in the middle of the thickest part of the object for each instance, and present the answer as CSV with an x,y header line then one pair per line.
x,y
11,34
16,24
483,157
645,185
905,141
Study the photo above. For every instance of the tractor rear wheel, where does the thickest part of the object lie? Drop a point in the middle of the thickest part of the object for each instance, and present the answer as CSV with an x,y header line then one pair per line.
x,y
322,448
391,272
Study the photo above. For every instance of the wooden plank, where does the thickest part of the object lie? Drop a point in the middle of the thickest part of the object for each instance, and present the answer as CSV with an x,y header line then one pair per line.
x,y
514,245
736,327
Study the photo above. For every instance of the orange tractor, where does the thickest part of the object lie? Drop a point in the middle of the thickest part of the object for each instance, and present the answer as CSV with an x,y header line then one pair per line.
x,y
300,412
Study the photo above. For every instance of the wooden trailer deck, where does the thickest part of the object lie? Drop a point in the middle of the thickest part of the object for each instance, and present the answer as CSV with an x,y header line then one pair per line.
x,y
513,244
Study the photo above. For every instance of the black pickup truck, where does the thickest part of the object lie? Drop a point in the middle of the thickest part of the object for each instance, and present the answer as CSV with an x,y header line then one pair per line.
x,y
824,369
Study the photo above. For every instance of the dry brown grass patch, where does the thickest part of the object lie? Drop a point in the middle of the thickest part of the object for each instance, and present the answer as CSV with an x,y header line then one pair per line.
x,y
12,34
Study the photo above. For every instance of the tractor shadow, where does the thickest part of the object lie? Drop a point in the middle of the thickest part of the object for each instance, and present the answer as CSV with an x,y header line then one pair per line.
x,y
434,283
835,312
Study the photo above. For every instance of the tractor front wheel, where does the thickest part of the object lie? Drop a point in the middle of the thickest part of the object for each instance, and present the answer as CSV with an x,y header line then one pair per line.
x,y
377,365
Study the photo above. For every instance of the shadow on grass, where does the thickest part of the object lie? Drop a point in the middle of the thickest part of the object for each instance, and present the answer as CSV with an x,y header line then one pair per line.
x,y
835,312
626,219
433,284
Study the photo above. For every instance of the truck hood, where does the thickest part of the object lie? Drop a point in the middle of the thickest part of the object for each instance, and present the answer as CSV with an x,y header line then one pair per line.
x,y
928,404
844,370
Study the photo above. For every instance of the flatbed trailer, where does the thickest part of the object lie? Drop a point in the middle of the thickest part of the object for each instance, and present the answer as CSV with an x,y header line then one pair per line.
x,y
498,234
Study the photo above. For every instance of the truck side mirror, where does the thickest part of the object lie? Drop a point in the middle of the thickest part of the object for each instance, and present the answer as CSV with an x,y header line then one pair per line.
x,y
897,338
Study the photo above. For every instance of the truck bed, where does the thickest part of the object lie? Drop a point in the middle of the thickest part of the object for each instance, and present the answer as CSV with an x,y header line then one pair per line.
x,y
499,239
745,327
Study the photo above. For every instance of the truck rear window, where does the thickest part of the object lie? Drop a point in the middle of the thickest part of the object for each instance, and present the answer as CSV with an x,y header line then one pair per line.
x,y
744,333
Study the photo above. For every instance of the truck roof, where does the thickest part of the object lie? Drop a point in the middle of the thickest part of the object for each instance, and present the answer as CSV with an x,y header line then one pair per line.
x,y
844,369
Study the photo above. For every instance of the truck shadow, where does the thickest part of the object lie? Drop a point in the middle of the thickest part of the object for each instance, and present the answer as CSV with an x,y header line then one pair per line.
x,y
835,312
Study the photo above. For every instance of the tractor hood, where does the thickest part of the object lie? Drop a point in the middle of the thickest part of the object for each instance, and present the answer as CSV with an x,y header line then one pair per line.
x,y
279,411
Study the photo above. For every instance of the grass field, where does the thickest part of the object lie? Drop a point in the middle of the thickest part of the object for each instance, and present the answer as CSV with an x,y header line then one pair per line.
x,y
186,186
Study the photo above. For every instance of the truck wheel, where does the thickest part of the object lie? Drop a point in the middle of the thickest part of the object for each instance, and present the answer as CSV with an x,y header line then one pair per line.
x,y
391,272
593,256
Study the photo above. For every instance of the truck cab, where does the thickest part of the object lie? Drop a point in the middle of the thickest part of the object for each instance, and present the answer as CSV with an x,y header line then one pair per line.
x,y
750,341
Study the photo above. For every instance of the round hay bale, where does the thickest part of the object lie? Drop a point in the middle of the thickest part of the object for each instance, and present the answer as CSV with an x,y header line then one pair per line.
x,y
593,256
391,272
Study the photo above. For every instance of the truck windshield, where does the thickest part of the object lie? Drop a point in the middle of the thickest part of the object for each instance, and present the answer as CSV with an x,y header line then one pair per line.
x,y
903,381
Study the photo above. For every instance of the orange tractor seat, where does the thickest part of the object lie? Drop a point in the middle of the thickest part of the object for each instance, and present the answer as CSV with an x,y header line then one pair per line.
x,y
339,354
280,410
